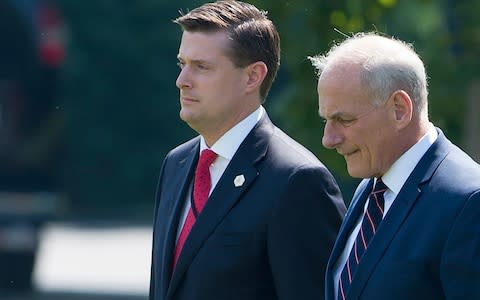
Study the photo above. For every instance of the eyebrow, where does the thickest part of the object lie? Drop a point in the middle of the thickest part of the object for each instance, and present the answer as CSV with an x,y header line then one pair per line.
x,y
335,115
195,61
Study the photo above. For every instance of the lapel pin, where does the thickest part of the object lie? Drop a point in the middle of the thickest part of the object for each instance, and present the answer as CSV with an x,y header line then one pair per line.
x,y
239,180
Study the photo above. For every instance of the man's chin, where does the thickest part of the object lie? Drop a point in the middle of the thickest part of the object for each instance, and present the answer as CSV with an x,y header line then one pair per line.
x,y
356,173
185,116
190,120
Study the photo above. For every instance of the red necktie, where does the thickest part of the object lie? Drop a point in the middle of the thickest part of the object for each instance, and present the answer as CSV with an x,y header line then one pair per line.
x,y
371,220
201,189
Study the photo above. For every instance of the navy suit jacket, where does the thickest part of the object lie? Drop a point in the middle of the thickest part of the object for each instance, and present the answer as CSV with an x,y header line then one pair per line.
x,y
267,239
428,244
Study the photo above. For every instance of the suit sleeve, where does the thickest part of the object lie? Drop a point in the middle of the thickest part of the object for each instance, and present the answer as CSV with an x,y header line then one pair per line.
x,y
152,264
460,266
302,232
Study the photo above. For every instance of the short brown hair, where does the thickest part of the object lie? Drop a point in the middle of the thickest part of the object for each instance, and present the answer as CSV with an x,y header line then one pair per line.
x,y
254,37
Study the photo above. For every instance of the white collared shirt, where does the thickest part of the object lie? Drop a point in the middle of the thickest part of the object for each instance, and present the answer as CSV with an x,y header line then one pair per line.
x,y
394,179
225,147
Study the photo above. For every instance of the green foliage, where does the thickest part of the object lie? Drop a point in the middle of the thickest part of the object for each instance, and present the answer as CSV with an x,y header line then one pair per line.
x,y
122,105
121,100
309,27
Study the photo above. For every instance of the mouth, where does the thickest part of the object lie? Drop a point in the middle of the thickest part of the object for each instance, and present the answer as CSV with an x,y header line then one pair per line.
x,y
347,154
187,99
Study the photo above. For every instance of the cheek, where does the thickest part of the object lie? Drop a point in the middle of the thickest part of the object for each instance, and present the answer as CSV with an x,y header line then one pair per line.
x,y
214,90
379,147
364,142
229,88
223,83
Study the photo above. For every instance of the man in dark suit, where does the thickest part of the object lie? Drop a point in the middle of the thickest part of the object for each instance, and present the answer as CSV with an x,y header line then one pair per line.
x,y
416,234
274,210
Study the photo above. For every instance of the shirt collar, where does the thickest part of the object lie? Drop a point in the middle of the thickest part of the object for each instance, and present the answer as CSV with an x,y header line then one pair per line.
x,y
399,172
228,144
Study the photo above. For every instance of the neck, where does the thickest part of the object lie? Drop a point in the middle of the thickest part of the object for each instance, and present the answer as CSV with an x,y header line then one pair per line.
x,y
214,132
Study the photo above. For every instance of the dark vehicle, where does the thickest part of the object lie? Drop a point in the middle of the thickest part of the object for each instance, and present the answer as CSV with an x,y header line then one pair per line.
x,y
31,126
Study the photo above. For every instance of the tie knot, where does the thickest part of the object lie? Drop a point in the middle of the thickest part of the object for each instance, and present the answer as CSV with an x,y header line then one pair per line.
x,y
380,187
207,157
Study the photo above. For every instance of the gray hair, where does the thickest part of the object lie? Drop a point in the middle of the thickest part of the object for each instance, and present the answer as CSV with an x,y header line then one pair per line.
x,y
386,65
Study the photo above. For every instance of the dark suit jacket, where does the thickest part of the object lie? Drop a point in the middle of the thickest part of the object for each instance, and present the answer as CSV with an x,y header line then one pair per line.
x,y
428,245
267,239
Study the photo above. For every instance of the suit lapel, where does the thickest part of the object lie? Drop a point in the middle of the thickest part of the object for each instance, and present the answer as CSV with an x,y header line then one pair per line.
x,y
399,210
179,189
225,195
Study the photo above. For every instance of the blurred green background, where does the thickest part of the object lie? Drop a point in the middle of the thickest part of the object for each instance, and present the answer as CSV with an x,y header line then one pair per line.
x,y
120,103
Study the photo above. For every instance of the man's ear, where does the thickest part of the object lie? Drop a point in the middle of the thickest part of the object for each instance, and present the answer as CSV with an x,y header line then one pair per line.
x,y
403,108
256,73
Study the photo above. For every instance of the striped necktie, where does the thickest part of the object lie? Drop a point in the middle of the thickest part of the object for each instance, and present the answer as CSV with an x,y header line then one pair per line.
x,y
371,220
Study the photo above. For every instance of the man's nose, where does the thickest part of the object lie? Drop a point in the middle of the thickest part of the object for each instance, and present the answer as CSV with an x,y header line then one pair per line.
x,y
331,136
183,79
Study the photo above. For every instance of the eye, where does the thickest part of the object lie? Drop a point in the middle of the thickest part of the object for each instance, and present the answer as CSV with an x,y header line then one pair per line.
x,y
180,64
346,122
202,67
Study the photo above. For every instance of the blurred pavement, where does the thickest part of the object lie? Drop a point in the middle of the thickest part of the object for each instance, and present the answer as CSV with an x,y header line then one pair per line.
x,y
91,262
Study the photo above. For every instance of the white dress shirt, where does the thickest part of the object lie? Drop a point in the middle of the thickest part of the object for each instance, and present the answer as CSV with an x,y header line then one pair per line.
x,y
394,179
225,147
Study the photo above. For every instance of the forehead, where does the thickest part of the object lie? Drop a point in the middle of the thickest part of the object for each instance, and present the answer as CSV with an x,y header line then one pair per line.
x,y
203,46
341,93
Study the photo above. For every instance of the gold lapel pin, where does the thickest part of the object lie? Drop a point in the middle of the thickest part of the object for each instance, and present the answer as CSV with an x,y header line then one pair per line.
x,y
239,180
